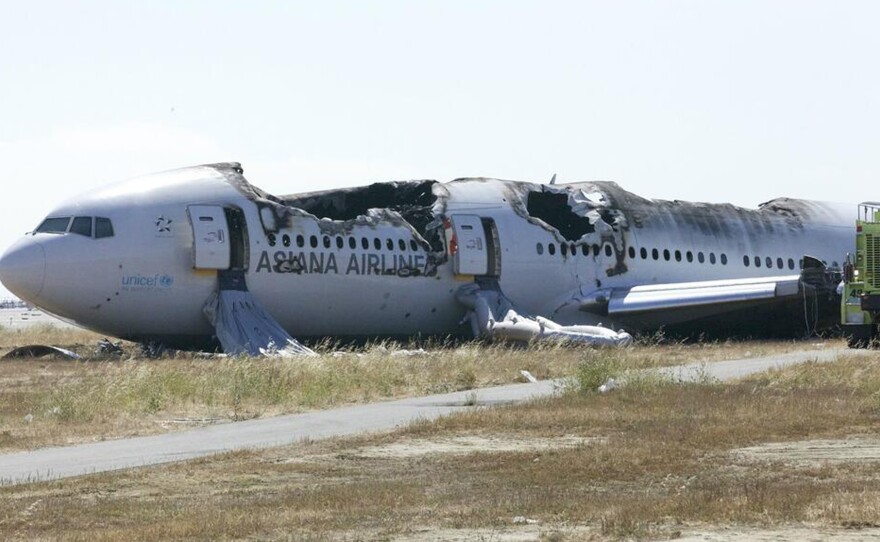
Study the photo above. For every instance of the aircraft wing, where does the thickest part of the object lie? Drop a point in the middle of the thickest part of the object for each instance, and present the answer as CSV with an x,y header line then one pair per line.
x,y
756,304
684,295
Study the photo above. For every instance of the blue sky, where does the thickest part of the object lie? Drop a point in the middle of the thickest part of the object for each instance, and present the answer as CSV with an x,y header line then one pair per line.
x,y
696,100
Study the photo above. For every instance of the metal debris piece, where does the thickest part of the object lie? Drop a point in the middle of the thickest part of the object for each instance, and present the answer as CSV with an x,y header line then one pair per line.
x,y
107,348
529,376
40,351
609,385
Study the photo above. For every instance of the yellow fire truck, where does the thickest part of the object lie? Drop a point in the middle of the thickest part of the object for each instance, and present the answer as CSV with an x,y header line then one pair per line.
x,y
860,299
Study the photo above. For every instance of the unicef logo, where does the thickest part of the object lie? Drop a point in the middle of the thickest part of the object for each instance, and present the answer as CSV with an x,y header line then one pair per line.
x,y
166,281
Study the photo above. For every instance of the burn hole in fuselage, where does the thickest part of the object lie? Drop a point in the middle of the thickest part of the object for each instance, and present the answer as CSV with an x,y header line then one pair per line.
x,y
553,208
412,200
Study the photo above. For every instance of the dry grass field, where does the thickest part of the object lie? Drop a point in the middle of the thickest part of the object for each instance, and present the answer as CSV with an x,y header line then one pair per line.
x,y
52,402
784,455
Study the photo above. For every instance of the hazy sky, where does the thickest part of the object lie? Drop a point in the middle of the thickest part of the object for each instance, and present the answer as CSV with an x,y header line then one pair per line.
x,y
698,100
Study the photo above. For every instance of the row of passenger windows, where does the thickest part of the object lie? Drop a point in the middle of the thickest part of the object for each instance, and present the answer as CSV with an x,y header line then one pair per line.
x,y
768,262
667,255
654,253
328,242
88,226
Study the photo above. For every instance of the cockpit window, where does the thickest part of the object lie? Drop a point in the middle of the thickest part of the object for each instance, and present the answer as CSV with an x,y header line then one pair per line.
x,y
103,228
53,225
82,225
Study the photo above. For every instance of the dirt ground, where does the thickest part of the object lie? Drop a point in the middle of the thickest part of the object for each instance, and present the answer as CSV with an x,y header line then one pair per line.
x,y
790,454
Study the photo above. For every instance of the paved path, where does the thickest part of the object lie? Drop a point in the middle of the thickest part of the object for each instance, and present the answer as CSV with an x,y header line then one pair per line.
x,y
738,368
61,462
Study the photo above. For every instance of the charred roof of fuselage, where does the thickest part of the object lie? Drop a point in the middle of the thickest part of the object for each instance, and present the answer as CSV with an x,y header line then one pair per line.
x,y
412,200
711,218
572,209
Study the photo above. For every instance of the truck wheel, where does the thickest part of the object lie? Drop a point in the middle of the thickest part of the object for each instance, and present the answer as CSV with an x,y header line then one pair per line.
x,y
859,336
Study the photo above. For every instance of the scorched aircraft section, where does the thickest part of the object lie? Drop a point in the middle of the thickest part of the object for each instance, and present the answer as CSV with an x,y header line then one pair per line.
x,y
406,258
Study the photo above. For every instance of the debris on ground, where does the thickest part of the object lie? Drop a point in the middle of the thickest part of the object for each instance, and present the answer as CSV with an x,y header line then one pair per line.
x,y
41,351
609,385
107,348
529,376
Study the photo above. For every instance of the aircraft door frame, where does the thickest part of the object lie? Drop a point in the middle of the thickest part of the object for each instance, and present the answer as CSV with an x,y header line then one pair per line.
x,y
494,247
212,247
476,249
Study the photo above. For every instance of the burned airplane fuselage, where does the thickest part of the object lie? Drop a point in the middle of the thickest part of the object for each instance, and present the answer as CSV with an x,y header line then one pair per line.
x,y
386,260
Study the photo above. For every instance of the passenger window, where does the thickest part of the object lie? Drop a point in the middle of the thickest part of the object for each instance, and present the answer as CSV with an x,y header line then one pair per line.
x,y
757,261
551,248
390,244
724,259
563,249
413,245
352,243
791,264
678,255
595,250
326,242
666,254
632,253
402,244
271,237
300,241
746,261
339,242
377,243
585,250
608,250
700,257
712,258
690,256
364,243
643,253
540,248
769,262
104,228
313,241
53,225
285,240
655,254
779,263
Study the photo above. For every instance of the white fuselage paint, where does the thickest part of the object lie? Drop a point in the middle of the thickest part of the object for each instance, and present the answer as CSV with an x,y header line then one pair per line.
x,y
140,283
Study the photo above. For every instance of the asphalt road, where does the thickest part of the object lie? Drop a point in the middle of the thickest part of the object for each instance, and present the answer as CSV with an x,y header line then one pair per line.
x,y
62,462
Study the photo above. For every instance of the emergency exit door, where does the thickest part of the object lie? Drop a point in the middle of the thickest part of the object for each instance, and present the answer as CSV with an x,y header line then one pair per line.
x,y
476,251
211,240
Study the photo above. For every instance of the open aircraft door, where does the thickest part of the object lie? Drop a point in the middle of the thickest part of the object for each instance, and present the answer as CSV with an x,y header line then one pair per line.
x,y
474,246
211,239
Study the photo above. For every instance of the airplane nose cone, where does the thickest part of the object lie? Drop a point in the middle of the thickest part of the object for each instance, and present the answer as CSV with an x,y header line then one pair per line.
x,y
23,269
